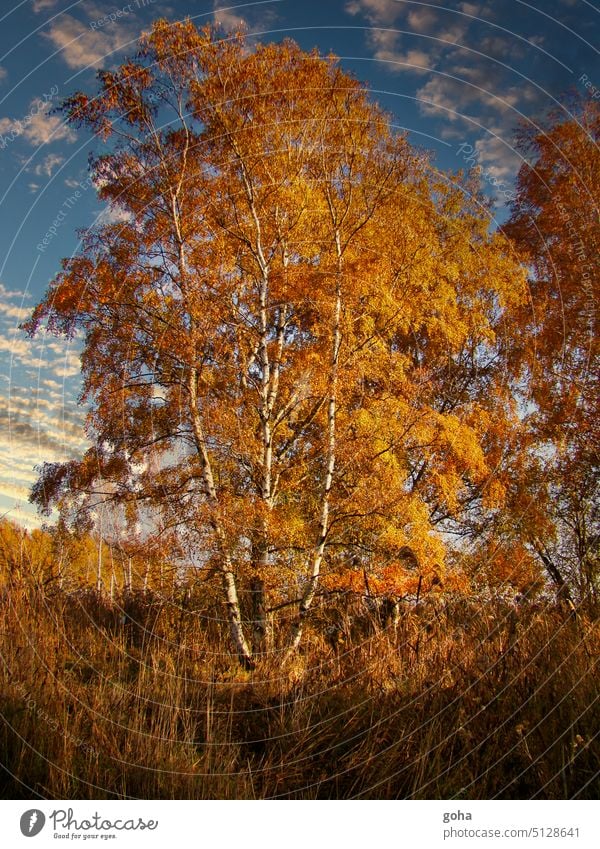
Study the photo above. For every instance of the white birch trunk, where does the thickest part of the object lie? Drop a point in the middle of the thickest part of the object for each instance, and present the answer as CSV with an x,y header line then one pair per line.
x,y
227,575
319,550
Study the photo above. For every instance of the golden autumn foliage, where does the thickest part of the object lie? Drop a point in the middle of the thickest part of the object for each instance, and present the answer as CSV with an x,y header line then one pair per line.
x,y
297,361
555,227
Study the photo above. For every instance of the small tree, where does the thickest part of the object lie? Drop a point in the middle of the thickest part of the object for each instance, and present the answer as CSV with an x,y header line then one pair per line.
x,y
291,346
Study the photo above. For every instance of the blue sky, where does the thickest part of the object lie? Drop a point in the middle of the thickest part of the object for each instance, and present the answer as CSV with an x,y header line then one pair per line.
x,y
458,76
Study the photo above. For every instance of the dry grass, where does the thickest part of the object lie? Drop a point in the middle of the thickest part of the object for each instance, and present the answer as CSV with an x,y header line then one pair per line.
x,y
465,702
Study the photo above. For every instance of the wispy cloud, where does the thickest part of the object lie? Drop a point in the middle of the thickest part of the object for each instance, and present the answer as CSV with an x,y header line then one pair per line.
x,y
236,16
385,46
475,69
229,19
32,441
11,311
497,157
57,418
50,384
20,352
80,46
33,430
41,5
48,165
384,12
37,424
65,371
39,126
23,515
51,358
12,490
113,215
13,293
410,38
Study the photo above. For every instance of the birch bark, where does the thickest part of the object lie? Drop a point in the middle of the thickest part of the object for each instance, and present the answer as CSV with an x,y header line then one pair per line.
x,y
319,549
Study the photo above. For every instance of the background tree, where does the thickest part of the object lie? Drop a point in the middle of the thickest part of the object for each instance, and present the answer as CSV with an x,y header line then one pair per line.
x,y
292,346
26,555
555,227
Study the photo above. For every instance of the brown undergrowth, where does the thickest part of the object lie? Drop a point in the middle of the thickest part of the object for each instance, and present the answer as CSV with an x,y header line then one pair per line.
x,y
140,697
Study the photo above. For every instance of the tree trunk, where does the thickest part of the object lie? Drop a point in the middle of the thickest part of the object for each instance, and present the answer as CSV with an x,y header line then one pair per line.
x,y
313,581
261,632
563,593
236,628
228,578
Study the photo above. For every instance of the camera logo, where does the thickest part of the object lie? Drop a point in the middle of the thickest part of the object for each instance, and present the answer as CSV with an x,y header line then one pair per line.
x,y
32,822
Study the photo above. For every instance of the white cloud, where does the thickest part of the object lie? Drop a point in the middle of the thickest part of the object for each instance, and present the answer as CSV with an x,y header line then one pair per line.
x,y
31,443
81,46
11,490
497,158
384,44
42,5
13,293
40,428
470,95
18,468
3,73
38,126
228,16
48,165
382,11
32,399
11,311
113,215
422,19
66,371
228,19
25,517
433,34
474,9
443,97
61,422
39,354
17,347
454,34
67,362
34,429
467,91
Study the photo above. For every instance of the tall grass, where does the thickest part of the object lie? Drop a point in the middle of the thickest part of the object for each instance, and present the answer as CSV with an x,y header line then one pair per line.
x,y
141,698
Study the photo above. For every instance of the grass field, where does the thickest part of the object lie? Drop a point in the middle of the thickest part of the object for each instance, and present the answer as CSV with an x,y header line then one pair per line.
x,y
459,701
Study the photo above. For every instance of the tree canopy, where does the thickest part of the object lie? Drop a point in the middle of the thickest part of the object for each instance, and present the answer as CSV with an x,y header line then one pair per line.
x,y
298,341
554,226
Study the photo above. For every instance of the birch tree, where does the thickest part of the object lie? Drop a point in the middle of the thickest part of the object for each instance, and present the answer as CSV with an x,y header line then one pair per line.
x,y
291,351
555,228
